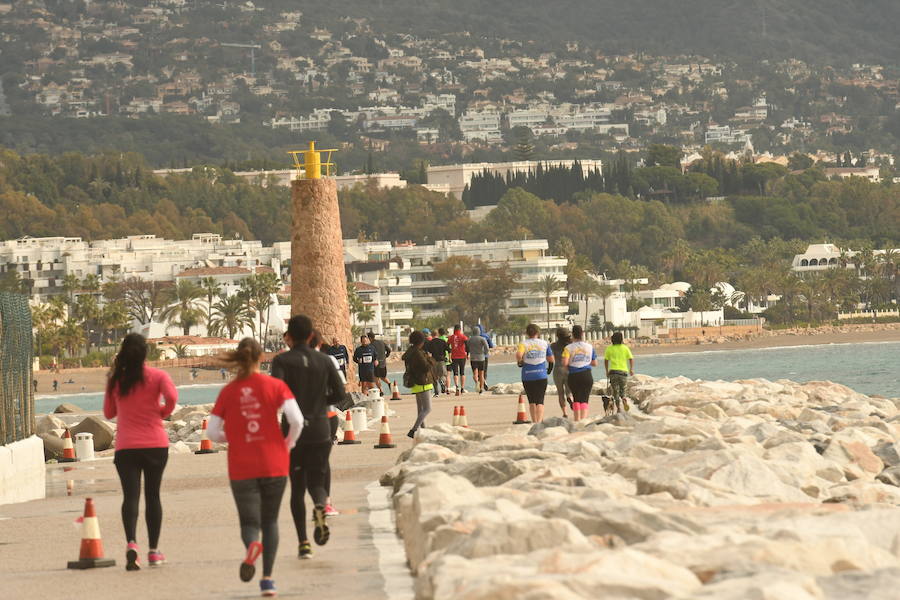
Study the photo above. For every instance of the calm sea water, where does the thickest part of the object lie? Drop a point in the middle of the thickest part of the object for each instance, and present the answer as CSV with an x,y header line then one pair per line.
x,y
868,368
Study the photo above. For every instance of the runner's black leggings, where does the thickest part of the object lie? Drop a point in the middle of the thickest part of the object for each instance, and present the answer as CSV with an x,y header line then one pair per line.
x,y
258,502
581,383
130,463
309,472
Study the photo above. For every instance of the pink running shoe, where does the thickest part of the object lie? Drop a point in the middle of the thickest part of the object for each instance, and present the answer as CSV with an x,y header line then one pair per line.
x,y
132,561
155,558
330,511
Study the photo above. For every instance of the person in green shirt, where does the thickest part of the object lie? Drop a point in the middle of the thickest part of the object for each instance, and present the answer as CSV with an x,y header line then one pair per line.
x,y
619,363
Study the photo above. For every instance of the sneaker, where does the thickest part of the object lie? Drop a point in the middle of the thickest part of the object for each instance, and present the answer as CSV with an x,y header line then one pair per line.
x,y
625,404
330,511
457,392
248,566
305,551
132,562
155,558
321,533
410,434
267,588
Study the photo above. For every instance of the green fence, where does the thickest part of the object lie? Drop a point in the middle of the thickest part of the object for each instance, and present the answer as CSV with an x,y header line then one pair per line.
x,y
16,395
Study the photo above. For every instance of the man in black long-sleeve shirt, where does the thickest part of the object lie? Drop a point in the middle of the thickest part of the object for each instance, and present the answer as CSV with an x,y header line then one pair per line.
x,y
315,382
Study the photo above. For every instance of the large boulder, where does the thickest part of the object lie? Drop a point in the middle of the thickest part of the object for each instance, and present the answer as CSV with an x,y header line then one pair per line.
x,y
103,432
47,423
53,445
65,407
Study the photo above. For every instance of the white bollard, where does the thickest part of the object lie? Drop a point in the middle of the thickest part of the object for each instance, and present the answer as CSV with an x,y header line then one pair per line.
x,y
358,416
84,446
377,409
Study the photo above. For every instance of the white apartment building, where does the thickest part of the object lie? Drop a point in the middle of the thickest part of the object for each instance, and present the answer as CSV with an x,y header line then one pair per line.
x,y
455,178
723,134
404,276
483,125
819,257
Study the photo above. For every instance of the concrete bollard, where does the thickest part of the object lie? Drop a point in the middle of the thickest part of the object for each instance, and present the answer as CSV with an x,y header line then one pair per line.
x,y
84,446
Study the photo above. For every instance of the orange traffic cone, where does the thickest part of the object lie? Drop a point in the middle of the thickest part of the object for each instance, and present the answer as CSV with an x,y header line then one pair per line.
x,y
522,414
91,554
455,421
395,391
384,438
205,444
68,448
463,421
349,435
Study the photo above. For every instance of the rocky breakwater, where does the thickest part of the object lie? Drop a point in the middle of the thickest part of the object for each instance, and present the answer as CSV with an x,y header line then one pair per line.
x,y
710,490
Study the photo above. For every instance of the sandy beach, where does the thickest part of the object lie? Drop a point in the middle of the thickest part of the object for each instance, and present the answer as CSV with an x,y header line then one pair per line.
x,y
93,380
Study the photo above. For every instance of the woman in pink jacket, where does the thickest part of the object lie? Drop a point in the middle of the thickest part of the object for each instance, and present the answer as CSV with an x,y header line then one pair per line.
x,y
133,395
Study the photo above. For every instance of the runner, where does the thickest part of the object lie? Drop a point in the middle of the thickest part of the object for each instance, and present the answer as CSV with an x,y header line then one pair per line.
x,y
619,363
364,357
438,348
246,416
536,359
420,375
561,373
477,347
142,445
382,351
490,342
341,355
318,342
578,357
458,355
315,383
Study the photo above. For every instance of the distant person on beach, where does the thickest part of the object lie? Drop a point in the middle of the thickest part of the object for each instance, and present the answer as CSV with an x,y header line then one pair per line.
x,y
222,372
364,357
55,385
536,360
316,383
439,349
458,355
382,351
132,397
340,354
34,385
579,357
246,416
619,364
478,349
420,377
560,372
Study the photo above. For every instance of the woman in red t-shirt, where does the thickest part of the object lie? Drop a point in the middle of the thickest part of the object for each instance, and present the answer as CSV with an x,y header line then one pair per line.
x,y
246,416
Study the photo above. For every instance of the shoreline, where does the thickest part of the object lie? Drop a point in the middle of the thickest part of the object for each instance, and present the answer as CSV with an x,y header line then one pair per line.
x,y
92,380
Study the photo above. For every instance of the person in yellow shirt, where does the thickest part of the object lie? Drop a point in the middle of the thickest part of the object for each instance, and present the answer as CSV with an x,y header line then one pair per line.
x,y
619,363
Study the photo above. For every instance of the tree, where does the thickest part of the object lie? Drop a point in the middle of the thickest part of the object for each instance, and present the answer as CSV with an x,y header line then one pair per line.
x,y
660,155
258,290
524,148
546,286
70,285
182,309
113,318
212,288
144,299
365,316
71,336
475,289
230,315
587,287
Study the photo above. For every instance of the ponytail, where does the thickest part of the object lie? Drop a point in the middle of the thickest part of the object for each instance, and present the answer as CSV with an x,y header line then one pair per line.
x,y
244,358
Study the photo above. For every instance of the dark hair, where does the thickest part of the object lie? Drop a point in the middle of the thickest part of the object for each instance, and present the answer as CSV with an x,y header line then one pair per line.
x,y
371,335
315,340
416,338
442,331
300,328
456,327
244,358
128,367
563,335
617,337
363,338
532,330
577,332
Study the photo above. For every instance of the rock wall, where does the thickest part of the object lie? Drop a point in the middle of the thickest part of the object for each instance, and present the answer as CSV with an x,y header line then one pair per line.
x,y
318,279
751,489
22,473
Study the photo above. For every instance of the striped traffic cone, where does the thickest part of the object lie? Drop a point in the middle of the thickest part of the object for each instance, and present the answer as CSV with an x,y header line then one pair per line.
x,y
91,553
384,438
463,421
395,391
205,444
455,421
349,435
522,414
68,454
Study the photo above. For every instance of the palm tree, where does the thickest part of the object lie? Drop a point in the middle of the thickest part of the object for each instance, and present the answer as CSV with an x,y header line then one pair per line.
x,y
71,336
546,286
365,315
70,285
113,317
182,309
212,289
258,291
587,287
230,315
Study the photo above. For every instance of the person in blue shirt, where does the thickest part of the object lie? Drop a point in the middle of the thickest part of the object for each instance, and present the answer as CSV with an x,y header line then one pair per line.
x,y
578,357
490,342
366,360
340,354
536,359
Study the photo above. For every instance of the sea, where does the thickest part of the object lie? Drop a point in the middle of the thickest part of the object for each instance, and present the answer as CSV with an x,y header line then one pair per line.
x,y
870,368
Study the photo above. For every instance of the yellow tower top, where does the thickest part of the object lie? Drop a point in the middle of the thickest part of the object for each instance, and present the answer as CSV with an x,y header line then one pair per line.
x,y
310,162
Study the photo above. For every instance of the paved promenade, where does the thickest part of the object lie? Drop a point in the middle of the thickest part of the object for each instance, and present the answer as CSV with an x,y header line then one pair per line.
x,y
200,534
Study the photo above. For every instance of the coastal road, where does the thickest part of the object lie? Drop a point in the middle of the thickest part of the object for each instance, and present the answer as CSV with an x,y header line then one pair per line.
x,y
200,534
